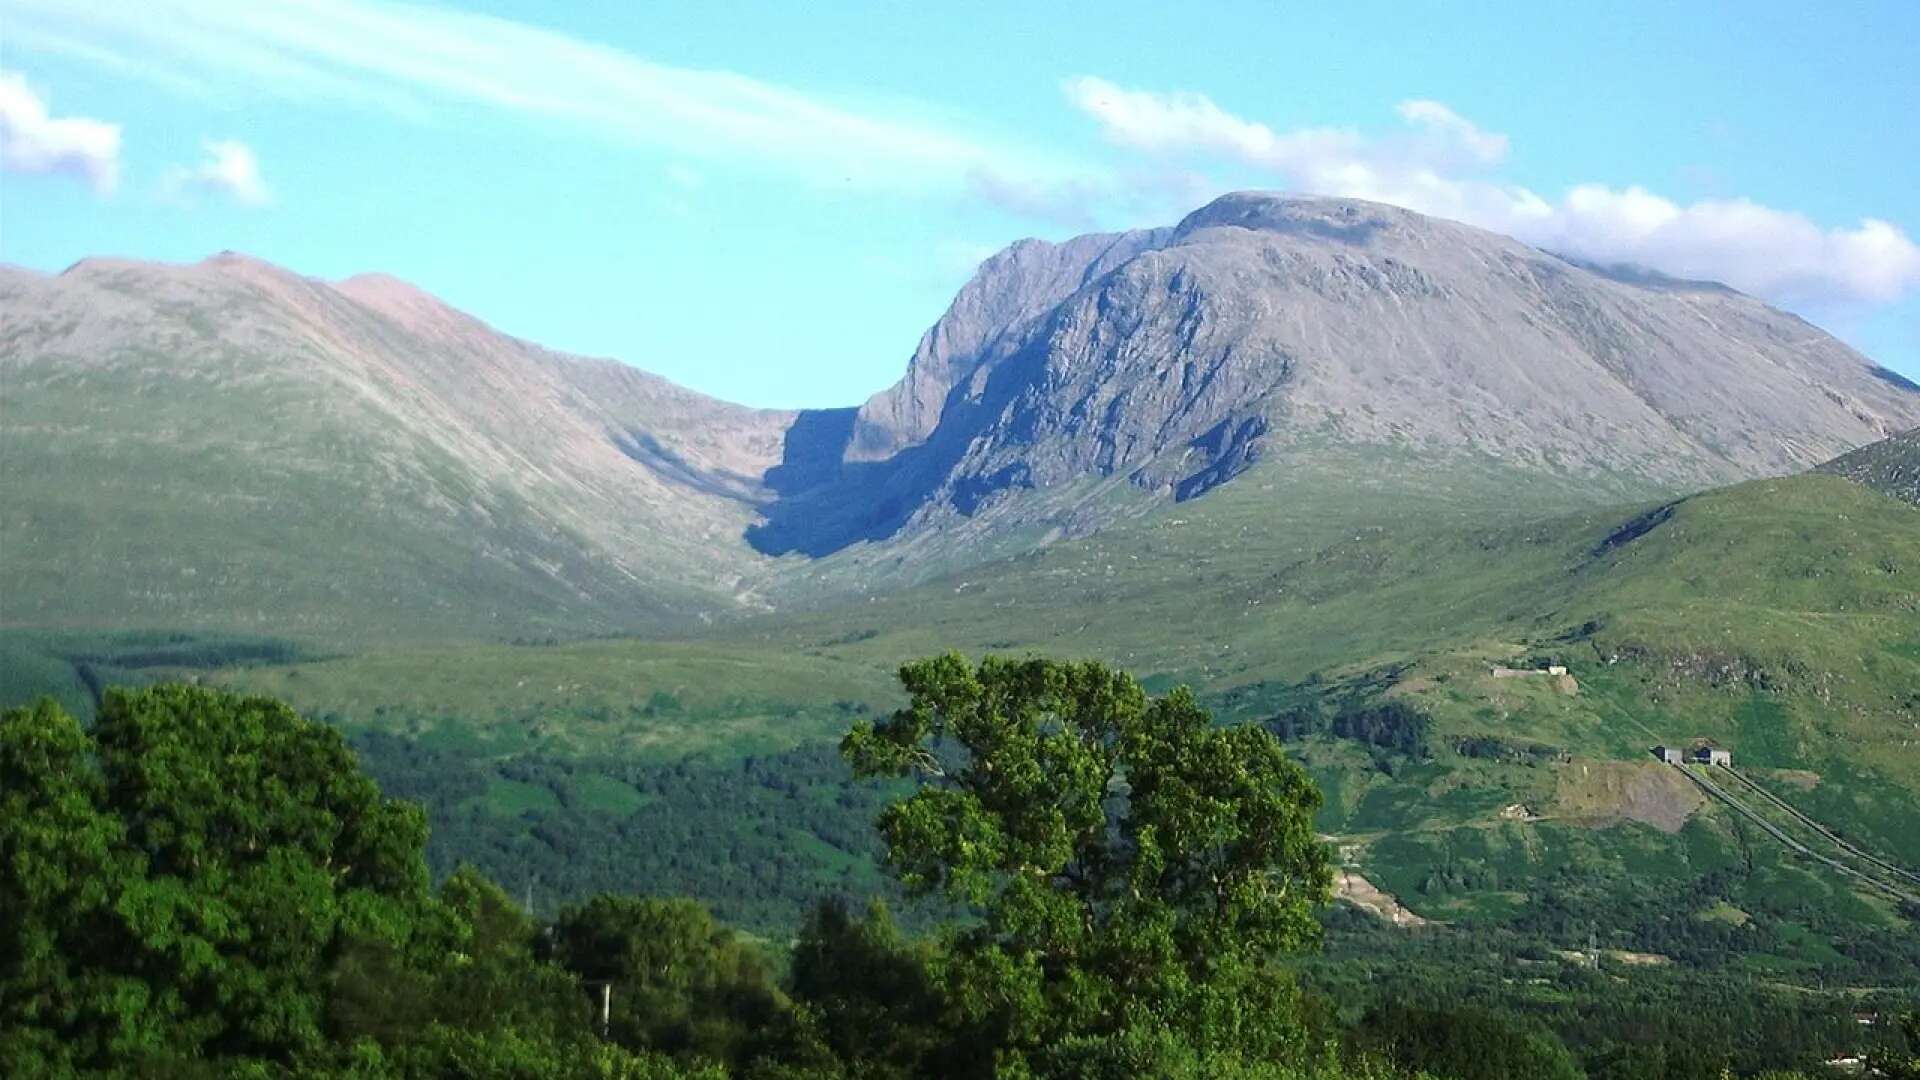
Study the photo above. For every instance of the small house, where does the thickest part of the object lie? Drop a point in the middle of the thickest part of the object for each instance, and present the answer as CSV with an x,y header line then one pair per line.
x,y
1712,755
1672,755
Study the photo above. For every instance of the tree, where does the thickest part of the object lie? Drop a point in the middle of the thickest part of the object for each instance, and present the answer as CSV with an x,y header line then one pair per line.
x,y
63,863
183,880
206,884
1466,1044
682,984
484,976
867,994
1137,870
1898,1064
182,877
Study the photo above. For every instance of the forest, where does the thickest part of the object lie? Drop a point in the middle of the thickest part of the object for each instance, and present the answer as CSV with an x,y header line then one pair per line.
x,y
1076,879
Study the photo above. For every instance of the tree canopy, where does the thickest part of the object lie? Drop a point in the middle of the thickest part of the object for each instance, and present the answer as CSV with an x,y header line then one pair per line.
x,y
186,874
1137,870
202,884
203,881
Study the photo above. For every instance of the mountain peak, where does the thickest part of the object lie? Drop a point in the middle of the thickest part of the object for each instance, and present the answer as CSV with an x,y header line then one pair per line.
x,y
1327,217
1171,360
231,258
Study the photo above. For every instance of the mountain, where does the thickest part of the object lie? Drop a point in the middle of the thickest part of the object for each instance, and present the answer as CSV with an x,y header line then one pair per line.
x,y
1338,466
232,446
987,320
1890,466
229,444
1265,326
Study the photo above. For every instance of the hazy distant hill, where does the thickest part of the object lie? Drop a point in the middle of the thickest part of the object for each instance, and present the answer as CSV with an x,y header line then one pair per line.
x,y
1891,466
229,445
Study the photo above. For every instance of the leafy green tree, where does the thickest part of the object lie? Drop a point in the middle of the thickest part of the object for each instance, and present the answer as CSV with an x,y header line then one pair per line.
x,y
868,995
1466,1044
205,878
505,1053
484,976
1137,869
681,983
63,864
182,877
1902,1064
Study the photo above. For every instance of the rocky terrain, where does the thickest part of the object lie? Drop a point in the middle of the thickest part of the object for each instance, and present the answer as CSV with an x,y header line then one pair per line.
x,y
1891,466
1261,324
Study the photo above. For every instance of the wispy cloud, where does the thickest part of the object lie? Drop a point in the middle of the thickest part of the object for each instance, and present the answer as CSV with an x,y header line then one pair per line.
x,y
422,62
230,169
33,140
1440,164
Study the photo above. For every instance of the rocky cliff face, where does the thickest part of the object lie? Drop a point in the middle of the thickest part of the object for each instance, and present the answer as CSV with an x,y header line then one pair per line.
x,y
1262,321
987,320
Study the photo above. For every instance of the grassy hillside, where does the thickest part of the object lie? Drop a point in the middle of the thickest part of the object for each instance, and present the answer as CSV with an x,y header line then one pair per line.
x,y
1779,618
656,701
231,448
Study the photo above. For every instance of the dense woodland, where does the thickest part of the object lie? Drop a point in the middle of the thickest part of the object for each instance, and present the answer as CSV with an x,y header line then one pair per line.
x,y
1091,882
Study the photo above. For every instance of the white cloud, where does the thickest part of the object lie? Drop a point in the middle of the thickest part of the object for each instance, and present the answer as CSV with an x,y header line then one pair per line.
x,y
230,168
1449,131
32,140
1438,165
424,63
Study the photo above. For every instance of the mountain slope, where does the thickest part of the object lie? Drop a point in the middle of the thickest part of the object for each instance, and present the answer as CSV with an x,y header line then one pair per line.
x,y
1891,466
1775,617
988,318
231,445
1262,325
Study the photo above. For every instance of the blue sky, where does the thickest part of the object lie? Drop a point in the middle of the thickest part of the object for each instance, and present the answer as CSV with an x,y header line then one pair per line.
x,y
770,202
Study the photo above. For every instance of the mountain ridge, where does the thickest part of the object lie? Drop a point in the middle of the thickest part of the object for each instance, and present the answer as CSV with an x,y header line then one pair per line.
x,y
1068,386
266,400
1292,316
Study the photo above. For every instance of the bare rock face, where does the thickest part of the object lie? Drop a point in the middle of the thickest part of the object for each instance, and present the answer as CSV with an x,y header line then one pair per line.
x,y
1264,320
985,321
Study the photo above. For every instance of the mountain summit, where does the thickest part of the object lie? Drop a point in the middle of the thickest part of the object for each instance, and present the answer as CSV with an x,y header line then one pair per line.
x,y
1173,358
232,444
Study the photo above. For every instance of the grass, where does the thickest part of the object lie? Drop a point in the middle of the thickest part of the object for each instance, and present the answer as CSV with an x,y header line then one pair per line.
x,y
652,700
599,793
511,798
74,666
